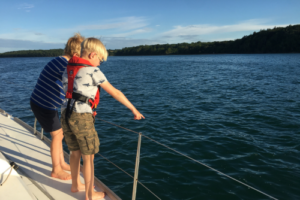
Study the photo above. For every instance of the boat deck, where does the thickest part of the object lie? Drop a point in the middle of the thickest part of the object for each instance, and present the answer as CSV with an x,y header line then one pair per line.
x,y
32,155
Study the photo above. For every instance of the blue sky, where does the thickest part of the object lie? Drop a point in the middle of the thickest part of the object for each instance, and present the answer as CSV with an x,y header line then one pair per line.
x,y
41,24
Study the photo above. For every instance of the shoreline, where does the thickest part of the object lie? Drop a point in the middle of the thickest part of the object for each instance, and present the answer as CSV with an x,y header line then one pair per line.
x,y
159,55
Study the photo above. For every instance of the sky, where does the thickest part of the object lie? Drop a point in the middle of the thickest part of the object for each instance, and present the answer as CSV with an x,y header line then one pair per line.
x,y
44,24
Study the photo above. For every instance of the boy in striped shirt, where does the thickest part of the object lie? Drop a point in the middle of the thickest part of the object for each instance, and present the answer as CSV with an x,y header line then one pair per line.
x,y
47,96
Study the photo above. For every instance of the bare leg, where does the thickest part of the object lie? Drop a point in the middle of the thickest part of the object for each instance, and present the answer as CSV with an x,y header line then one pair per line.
x,y
63,164
56,153
75,170
88,168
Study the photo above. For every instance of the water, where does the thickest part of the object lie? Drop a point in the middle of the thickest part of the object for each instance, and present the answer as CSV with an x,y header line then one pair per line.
x,y
236,113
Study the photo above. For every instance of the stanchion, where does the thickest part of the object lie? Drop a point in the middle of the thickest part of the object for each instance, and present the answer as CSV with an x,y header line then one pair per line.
x,y
42,134
137,164
34,126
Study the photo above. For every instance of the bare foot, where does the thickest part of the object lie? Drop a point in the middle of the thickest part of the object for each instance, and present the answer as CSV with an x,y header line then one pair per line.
x,y
96,196
79,188
61,175
65,167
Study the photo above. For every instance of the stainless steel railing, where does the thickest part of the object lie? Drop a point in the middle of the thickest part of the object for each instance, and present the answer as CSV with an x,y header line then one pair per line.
x,y
137,165
35,132
137,161
135,178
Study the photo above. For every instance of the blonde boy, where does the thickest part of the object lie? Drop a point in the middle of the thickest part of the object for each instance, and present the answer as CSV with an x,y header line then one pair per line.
x,y
78,125
47,96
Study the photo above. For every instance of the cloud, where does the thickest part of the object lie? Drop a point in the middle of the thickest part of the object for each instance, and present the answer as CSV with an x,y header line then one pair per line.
x,y
25,6
26,36
221,39
26,44
206,29
134,32
188,37
121,42
120,24
109,42
124,27
129,31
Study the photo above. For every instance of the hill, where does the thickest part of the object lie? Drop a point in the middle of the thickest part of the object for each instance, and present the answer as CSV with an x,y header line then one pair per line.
x,y
34,53
276,40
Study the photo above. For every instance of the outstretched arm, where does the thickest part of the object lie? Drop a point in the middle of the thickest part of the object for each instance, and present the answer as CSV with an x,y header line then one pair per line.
x,y
119,96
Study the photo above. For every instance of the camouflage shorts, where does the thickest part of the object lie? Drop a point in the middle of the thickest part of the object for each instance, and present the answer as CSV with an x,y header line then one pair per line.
x,y
80,134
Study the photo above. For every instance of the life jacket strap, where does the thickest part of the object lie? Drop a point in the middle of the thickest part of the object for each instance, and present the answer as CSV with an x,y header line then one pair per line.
x,y
82,98
68,112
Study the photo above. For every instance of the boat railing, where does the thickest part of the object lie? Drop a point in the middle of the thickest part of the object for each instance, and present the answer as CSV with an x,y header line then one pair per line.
x,y
137,161
136,171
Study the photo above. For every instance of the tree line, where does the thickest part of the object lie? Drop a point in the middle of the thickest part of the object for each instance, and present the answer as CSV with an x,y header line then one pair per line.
x,y
276,40
34,53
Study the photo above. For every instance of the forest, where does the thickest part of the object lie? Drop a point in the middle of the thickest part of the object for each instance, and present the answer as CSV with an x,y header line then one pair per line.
x,y
33,53
276,40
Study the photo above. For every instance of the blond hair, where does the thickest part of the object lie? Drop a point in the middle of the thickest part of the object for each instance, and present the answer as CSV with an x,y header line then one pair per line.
x,y
90,45
73,45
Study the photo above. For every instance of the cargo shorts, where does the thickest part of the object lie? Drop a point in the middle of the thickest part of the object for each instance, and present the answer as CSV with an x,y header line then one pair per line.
x,y
80,133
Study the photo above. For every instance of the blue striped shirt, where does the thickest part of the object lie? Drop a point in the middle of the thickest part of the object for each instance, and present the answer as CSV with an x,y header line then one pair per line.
x,y
48,92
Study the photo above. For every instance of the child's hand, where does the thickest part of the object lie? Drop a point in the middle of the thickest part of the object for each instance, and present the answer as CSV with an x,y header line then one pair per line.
x,y
138,115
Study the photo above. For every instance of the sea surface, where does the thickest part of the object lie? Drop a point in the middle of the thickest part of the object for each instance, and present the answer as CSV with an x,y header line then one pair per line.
x,y
239,114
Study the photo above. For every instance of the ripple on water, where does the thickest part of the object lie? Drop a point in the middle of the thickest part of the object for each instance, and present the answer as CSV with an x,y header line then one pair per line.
x,y
236,113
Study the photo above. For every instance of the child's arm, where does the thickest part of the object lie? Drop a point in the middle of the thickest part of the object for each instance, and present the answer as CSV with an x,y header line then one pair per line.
x,y
119,96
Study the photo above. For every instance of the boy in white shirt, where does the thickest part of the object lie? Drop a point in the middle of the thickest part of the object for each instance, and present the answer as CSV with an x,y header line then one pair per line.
x,y
77,114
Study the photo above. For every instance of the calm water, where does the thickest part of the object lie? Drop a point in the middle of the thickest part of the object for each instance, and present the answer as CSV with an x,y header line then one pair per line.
x,y
236,113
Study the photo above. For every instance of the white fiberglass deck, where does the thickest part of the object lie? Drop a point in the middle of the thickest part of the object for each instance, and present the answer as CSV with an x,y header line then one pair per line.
x,y
15,183
32,155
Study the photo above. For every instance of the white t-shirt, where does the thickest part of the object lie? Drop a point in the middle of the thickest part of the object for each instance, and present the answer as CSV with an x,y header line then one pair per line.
x,y
86,81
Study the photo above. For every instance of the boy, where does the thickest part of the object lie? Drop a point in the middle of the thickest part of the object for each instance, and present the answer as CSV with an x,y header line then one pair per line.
x,y
81,81
47,96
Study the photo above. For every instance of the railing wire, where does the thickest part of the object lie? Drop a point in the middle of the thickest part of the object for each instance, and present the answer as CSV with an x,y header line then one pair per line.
x,y
107,158
129,175
171,150
116,165
193,160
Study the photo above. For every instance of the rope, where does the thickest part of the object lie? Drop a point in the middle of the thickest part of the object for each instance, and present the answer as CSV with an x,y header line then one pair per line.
x,y
11,168
22,173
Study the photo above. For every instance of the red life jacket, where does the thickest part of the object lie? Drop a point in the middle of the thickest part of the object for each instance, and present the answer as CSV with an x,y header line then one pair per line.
x,y
74,65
